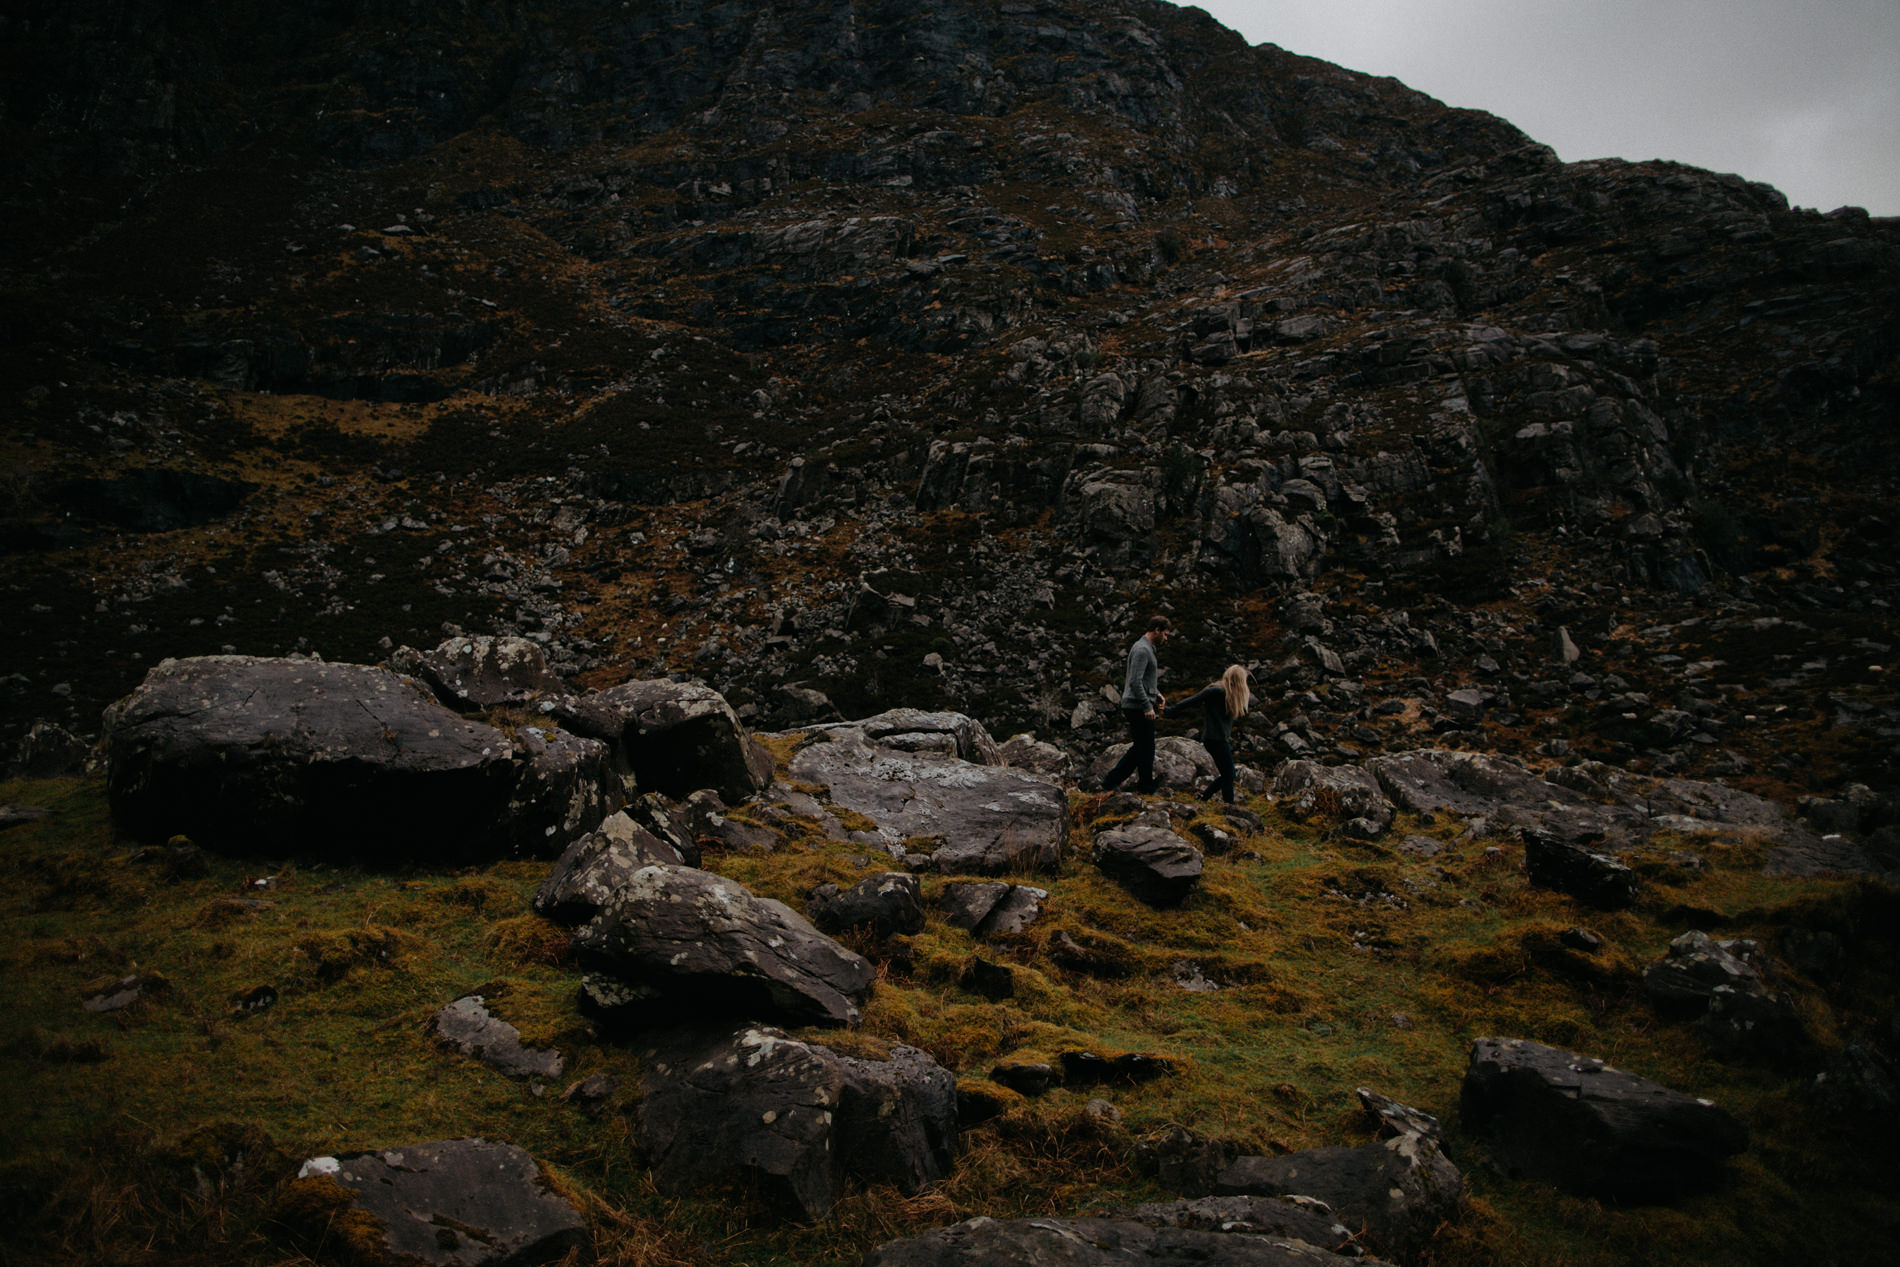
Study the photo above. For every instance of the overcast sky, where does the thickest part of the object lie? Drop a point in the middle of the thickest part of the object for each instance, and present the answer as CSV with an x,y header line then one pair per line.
x,y
1803,94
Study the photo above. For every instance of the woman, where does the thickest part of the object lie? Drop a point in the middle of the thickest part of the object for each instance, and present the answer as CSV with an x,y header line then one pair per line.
x,y
1223,702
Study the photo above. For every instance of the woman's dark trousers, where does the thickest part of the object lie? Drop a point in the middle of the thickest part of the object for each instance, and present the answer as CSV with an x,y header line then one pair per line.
x,y
1224,762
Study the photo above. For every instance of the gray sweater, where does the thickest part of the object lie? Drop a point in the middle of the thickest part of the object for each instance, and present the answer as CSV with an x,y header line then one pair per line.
x,y
1143,685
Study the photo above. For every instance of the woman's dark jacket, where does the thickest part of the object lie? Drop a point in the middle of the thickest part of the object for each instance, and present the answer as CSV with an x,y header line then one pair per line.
x,y
1217,727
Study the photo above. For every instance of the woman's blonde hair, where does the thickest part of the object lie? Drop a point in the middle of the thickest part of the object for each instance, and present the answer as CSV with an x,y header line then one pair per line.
x,y
1234,683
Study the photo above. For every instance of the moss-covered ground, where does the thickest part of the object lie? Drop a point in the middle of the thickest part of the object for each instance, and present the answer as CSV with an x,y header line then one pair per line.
x,y
167,1132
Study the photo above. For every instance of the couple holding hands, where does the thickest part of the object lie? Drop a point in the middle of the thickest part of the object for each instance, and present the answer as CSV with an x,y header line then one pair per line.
x,y
1223,702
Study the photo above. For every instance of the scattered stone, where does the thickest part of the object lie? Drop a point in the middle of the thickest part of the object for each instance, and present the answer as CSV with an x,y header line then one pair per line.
x,y
1573,1121
591,1094
1153,863
1581,939
15,815
1088,1068
885,905
1732,1006
1592,878
256,999
127,991
991,908
468,1026
994,981
1027,1078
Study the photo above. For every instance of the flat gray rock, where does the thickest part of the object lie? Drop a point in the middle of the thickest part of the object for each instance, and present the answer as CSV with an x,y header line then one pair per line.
x,y
459,1203
939,812
468,1026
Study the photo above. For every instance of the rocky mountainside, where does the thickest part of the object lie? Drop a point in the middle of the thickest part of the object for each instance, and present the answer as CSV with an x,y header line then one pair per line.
x,y
878,353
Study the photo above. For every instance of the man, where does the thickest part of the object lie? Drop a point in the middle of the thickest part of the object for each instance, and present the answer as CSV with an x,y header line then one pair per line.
x,y
1141,702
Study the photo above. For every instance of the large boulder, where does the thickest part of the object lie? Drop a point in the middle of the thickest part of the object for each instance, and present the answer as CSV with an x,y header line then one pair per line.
x,y
271,755
473,674
690,940
934,811
793,1119
1093,1242
1587,1128
675,737
458,1202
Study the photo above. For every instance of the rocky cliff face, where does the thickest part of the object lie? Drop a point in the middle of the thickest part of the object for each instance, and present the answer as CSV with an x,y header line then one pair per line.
x,y
868,354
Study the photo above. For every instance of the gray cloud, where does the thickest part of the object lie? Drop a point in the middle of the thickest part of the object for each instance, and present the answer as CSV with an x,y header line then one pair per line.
x,y
1803,94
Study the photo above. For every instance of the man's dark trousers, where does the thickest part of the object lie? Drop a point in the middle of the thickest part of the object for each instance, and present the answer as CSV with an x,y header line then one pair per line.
x,y
1140,757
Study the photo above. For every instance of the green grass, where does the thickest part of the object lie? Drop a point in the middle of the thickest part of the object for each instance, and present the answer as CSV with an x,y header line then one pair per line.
x,y
166,1133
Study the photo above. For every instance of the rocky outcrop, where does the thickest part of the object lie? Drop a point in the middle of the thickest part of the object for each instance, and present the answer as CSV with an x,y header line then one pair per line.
x,y
472,675
585,877
1395,1192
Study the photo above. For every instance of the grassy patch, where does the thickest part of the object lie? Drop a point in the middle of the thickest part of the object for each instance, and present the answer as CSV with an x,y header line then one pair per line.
x,y
168,1130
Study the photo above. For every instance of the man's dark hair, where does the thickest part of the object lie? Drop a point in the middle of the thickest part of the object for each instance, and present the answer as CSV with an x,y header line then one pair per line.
x,y
1159,624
